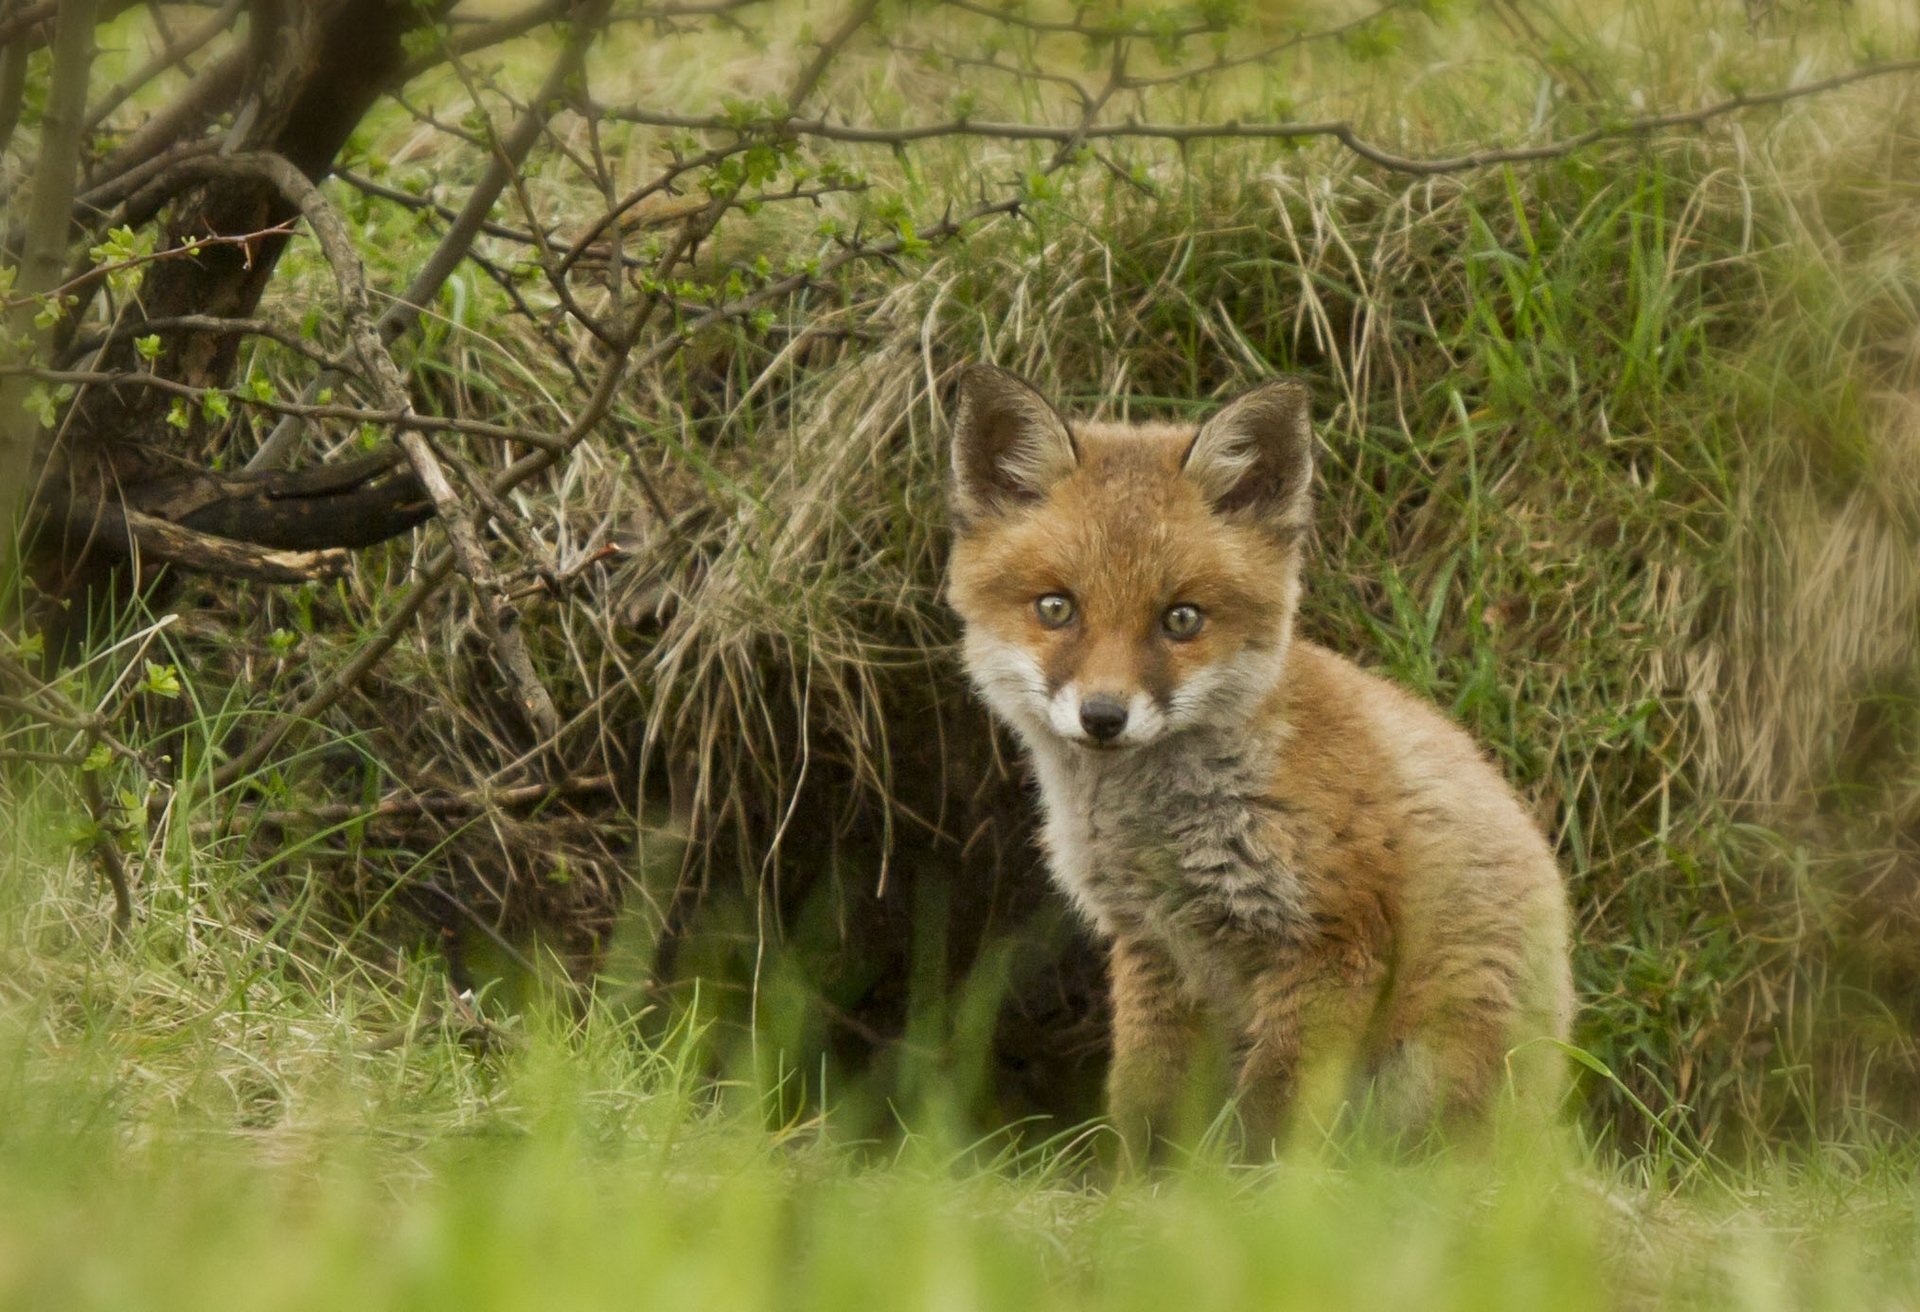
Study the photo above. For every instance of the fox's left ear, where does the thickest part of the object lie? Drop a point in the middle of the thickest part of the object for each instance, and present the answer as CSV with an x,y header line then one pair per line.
x,y
1256,455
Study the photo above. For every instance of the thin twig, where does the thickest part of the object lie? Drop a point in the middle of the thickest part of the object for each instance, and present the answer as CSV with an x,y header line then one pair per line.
x,y
1339,131
170,55
1222,63
106,849
410,805
206,323
377,416
94,273
359,182
170,130
1092,31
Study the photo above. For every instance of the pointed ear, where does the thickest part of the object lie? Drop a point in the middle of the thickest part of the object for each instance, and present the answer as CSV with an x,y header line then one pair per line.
x,y
1256,455
1009,444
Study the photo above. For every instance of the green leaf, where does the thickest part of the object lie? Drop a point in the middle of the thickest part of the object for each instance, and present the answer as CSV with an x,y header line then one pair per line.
x,y
161,680
43,402
82,837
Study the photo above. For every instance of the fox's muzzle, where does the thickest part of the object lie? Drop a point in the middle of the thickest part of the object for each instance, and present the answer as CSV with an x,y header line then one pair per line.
x,y
1103,716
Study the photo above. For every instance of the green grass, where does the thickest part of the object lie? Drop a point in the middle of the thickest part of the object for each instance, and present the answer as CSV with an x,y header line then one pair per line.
x,y
199,1119
1620,467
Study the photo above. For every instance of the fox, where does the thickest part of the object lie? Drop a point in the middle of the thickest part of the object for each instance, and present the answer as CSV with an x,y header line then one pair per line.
x,y
1286,857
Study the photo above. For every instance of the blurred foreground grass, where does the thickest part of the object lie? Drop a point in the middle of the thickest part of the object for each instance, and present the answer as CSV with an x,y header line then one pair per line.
x,y
199,1120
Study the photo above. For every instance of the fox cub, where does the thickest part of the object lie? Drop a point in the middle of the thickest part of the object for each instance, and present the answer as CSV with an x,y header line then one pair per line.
x,y
1290,858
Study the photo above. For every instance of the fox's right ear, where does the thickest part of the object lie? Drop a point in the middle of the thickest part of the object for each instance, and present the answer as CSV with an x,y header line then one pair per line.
x,y
1009,444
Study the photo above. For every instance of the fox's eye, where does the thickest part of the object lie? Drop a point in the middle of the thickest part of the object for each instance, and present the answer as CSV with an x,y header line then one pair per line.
x,y
1183,621
1055,610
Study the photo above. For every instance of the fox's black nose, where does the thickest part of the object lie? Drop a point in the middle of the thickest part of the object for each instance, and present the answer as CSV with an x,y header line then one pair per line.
x,y
1103,717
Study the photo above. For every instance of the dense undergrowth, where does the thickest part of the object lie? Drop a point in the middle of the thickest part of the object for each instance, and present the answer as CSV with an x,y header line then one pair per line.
x,y
1621,467
1619,457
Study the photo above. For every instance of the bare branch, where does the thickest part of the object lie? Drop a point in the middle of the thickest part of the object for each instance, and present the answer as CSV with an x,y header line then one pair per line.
x,y
503,166
361,183
170,55
1092,31
367,655
1223,62
106,849
210,323
91,729
355,502
95,272
803,87
30,17
135,533
59,710
380,417
401,806
809,79
484,34
170,131
492,32
613,374
1340,131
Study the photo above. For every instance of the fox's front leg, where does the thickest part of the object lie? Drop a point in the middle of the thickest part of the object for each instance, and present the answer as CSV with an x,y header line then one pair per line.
x,y
1157,1045
1302,1042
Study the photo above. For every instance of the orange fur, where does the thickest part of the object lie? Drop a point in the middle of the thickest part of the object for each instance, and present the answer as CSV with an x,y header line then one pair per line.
x,y
1275,842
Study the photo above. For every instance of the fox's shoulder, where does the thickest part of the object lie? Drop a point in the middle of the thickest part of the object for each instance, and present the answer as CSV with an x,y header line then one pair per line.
x,y
1350,725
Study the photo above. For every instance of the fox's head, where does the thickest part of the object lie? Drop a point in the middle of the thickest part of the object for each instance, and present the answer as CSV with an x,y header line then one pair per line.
x,y
1122,583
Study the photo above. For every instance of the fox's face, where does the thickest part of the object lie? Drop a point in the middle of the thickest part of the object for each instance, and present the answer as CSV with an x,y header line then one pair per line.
x,y
1124,583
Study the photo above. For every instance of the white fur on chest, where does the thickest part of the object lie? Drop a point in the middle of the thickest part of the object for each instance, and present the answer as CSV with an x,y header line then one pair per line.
x,y
1164,843
1069,800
